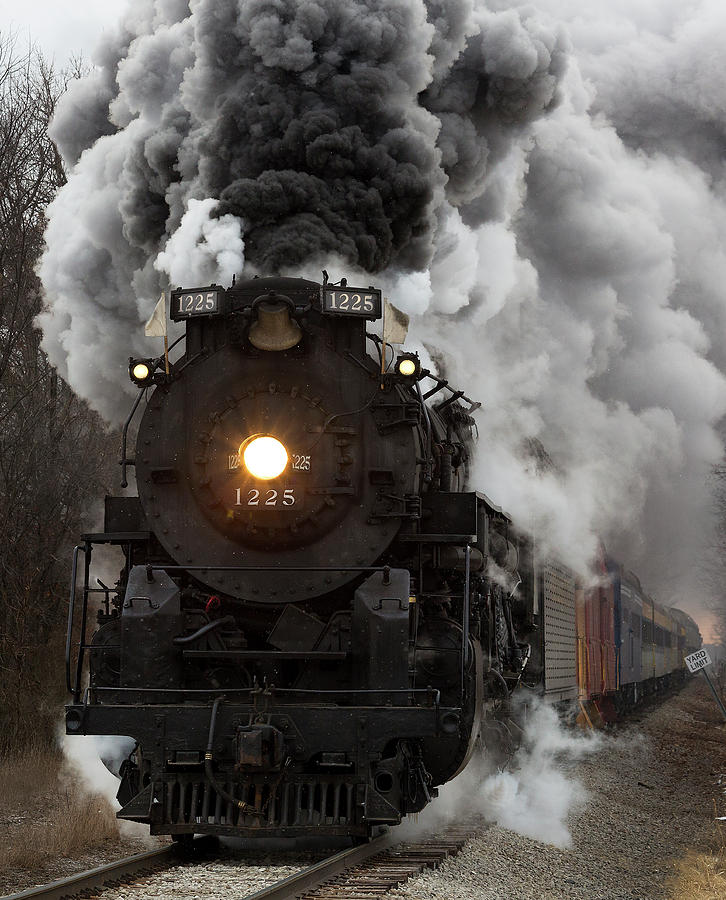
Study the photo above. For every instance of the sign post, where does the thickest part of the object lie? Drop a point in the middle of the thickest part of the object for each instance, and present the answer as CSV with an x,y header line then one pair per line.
x,y
699,660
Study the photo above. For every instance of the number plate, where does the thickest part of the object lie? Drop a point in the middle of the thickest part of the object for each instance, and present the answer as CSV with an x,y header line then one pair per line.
x,y
263,499
299,462
185,304
362,302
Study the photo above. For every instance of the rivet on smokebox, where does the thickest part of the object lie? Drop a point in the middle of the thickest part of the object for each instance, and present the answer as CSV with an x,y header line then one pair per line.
x,y
274,329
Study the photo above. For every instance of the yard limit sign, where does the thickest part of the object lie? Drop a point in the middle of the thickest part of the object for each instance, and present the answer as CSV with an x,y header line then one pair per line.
x,y
699,660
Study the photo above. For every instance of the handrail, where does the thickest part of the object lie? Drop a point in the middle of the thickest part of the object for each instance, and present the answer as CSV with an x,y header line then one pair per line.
x,y
71,606
442,383
433,693
465,618
125,461
162,568
84,619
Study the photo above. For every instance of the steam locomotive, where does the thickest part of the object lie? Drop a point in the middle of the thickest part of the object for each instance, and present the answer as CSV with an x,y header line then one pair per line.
x,y
317,620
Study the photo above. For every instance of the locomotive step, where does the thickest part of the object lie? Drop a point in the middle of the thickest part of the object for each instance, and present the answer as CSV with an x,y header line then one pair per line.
x,y
324,655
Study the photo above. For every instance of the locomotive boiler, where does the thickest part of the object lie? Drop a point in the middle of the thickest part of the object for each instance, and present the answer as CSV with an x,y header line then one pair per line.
x,y
317,618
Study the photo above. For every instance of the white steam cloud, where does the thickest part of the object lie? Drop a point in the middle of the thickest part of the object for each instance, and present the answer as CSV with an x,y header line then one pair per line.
x,y
538,796
92,761
203,250
535,797
541,184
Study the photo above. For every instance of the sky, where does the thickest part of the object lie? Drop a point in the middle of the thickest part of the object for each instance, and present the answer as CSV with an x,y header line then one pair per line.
x,y
61,28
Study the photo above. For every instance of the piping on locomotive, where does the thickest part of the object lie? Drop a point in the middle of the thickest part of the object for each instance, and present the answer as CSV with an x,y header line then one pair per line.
x,y
317,620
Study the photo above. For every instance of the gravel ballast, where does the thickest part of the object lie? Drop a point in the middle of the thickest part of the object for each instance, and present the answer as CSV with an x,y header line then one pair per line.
x,y
651,791
652,788
219,880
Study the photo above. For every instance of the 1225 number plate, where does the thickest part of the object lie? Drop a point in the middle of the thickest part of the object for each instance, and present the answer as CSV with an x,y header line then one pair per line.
x,y
186,304
363,302
268,498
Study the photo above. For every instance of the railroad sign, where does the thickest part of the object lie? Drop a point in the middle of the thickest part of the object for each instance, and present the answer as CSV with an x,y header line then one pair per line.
x,y
698,660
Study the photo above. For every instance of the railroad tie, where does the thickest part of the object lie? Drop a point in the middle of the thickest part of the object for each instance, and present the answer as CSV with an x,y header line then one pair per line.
x,y
373,879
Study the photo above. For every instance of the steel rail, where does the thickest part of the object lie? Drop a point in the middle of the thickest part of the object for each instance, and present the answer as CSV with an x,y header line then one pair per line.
x,y
327,868
127,869
96,879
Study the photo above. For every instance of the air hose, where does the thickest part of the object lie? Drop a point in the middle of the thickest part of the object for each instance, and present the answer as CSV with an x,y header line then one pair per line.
x,y
208,758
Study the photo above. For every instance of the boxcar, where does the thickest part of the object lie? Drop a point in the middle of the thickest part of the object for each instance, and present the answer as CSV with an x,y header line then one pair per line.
x,y
596,641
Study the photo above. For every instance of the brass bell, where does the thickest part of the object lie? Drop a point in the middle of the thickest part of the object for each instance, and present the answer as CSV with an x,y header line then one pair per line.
x,y
274,329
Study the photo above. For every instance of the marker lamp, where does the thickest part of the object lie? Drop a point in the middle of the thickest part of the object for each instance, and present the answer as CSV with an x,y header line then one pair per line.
x,y
408,366
141,371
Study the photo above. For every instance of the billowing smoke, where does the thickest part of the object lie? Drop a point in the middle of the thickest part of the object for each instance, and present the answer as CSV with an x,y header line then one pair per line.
x,y
327,129
539,183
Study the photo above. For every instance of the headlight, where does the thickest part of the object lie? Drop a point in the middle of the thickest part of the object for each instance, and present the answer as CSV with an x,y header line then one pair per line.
x,y
263,456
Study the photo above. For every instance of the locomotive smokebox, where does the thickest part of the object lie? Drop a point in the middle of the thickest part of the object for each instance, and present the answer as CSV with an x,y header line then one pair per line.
x,y
274,330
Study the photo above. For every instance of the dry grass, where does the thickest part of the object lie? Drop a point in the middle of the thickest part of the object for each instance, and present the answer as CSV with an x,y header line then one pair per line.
x,y
35,771
700,876
45,817
82,823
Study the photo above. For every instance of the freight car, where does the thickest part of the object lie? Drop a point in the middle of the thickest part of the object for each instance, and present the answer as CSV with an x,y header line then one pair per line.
x,y
317,620
614,645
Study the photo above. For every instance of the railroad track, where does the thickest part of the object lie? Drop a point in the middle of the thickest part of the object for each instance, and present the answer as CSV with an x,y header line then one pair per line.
x,y
388,863
365,872
110,875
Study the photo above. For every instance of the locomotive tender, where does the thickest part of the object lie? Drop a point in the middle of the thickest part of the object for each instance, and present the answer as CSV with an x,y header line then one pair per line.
x,y
307,628
317,621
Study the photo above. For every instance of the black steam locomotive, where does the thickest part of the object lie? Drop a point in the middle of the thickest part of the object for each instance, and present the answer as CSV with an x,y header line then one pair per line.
x,y
316,620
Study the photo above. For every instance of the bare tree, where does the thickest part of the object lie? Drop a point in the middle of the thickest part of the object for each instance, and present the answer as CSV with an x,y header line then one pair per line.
x,y
714,558
53,450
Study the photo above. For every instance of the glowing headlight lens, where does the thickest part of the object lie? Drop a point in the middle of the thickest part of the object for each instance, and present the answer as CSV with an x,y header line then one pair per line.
x,y
140,371
264,457
407,367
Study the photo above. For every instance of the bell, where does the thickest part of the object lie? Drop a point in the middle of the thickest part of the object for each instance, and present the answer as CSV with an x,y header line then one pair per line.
x,y
274,329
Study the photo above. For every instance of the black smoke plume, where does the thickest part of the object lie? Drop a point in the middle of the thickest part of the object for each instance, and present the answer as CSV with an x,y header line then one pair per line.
x,y
539,184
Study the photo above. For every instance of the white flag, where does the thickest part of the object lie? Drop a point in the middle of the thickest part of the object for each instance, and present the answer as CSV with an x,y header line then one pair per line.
x,y
395,324
156,326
